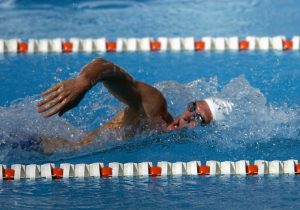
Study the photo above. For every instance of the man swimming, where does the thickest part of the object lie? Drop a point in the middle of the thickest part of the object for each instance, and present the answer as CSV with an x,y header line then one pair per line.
x,y
146,106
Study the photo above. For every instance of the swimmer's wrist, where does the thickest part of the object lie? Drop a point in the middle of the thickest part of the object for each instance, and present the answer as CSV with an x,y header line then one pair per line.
x,y
85,82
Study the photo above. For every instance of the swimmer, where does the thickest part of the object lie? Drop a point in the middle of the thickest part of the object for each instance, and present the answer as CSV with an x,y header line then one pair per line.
x,y
146,107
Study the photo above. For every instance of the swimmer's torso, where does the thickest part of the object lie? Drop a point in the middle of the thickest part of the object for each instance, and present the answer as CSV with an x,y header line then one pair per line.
x,y
124,118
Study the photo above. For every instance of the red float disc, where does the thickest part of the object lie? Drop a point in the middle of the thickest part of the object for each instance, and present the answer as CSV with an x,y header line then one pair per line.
x,y
111,46
155,46
244,45
8,174
106,171
203,170
22,47
155,171
252,169
67,47
199,45
287,44
57,173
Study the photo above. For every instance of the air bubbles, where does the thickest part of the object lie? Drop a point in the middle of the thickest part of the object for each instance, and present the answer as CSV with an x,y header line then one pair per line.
x,y
58,70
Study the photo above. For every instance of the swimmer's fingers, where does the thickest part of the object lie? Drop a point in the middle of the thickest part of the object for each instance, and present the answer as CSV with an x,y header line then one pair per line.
x,y
62,105
48,98
56,109
57,101
60,98
52,89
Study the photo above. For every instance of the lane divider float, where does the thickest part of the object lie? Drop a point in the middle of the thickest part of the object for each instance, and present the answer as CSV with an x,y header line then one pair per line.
x,y
175,44
163,168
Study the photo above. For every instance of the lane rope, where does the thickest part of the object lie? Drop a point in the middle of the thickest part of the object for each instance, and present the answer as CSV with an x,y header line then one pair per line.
x,y
174,44
163,168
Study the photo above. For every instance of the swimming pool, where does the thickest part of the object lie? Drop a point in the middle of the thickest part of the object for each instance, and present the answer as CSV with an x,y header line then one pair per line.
x,y
259,83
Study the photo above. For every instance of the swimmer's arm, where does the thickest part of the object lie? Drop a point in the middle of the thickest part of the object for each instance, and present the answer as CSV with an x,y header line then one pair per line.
x,y
51,144
120,83
100,70
137,95
66,95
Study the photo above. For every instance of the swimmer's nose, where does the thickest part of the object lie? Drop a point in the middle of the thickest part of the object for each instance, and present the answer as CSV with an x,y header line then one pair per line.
x,y
185,121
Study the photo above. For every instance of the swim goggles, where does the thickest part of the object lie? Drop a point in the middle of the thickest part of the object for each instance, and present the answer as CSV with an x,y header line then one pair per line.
x,y
191,107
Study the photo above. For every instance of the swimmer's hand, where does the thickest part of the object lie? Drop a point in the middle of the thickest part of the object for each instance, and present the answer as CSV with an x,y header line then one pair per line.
x,y
63,96
175,125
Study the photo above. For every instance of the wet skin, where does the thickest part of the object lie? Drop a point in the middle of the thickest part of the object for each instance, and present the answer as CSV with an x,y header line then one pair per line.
x,y
145,104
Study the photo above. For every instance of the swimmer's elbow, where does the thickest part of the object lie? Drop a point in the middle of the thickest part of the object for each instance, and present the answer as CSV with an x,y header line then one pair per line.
x,y
99,60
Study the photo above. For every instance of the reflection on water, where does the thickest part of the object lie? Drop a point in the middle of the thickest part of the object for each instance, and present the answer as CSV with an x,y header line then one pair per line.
x,y
147,18
253,122
236,192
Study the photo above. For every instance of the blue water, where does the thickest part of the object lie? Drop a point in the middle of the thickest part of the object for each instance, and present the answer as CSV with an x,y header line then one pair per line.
x,y
264,86
160,193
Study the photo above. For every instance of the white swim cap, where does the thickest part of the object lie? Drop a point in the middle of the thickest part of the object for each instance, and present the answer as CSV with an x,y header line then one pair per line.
x,y
219,108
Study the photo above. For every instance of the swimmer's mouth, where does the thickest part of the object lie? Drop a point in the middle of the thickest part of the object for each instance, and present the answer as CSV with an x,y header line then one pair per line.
x,y
180,123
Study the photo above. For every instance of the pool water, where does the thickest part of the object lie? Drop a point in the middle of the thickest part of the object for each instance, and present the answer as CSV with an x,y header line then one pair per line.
x,y
160,193
264,87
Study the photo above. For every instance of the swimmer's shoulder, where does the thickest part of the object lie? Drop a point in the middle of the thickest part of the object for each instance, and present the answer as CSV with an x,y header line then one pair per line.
x,y
151,94
153,102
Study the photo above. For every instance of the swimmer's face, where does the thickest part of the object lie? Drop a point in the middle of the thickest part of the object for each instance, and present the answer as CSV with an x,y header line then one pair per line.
x,y
196,113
